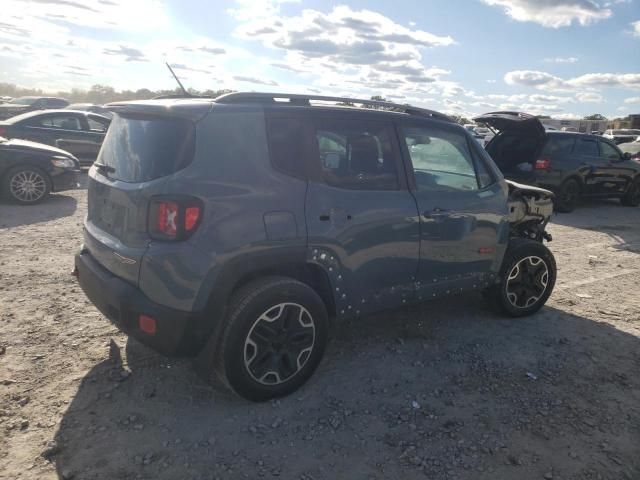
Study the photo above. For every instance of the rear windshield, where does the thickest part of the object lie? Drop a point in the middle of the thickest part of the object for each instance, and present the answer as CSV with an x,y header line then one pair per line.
x,y
143,149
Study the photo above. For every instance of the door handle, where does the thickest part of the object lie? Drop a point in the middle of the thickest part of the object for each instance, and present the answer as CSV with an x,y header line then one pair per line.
x,y
436,213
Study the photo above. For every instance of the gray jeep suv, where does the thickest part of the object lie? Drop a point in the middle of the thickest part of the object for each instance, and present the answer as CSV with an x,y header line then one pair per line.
x,y
234,230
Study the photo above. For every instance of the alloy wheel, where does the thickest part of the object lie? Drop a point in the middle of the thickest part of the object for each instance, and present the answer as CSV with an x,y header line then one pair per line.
x,y
28,186
279,343
527,282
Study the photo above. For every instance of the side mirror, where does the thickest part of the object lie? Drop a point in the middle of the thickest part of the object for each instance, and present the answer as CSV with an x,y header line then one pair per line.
x,y
626,156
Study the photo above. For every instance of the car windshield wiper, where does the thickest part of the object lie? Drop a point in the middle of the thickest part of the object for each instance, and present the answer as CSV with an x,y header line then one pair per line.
x,y
102,168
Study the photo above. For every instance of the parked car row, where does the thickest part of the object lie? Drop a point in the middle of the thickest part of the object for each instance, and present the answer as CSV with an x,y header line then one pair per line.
x,y
42,151
80,133
570,164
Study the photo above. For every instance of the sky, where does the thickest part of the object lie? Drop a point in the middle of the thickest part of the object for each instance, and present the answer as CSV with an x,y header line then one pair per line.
x,y
564,58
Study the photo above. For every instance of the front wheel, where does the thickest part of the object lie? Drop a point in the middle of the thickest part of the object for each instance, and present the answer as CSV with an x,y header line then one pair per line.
x,y
276,332
632,197
526,280
26,185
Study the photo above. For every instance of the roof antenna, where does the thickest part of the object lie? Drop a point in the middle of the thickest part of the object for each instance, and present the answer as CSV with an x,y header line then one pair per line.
x,y
184,90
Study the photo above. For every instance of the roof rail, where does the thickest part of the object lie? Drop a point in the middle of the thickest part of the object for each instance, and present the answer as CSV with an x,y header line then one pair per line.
x,y
302,99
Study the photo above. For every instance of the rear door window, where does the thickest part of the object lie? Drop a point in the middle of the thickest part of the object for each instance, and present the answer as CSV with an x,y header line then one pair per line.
x,y
586,147
357,155
608,151
64,122
140,149
287,145
557,146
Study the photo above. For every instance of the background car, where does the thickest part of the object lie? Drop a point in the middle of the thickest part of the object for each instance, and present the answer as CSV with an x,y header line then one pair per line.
x,y
90,107
570,164
486,134
632,148
29,171
80,133
622,135
29,104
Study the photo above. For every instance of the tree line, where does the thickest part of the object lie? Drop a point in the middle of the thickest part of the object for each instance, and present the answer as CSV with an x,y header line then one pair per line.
x,y
101,94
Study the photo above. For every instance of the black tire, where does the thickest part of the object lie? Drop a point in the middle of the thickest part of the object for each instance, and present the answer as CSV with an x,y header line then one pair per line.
x,y
16,181
567,196
632,197
255,357
527,291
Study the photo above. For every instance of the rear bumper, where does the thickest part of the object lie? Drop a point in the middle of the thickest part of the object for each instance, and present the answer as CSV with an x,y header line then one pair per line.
x,y
65,180
122,303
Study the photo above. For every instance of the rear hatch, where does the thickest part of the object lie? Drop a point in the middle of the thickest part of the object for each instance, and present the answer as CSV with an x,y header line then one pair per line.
x,y
146,143
516,146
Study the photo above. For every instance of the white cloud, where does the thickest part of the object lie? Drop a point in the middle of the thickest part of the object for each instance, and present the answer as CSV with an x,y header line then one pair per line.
x,y
635,28
102,14
561,60
553,13
550,99
632,100
532,78
589,97
547,81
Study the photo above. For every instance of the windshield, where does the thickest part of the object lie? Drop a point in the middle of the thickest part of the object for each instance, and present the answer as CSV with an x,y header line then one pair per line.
x,y
142,149
24,100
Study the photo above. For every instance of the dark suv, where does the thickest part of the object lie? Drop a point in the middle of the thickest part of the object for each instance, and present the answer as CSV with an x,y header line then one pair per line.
x,y
568,163
234,229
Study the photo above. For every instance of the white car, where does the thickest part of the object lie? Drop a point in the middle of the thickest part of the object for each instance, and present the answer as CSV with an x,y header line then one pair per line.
x,y
622,135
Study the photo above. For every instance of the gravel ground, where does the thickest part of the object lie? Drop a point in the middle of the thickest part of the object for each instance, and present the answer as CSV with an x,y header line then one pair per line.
x,y
444,391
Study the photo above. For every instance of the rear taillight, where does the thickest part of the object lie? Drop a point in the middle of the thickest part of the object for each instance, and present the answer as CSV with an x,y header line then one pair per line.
x,y
174,218
543,164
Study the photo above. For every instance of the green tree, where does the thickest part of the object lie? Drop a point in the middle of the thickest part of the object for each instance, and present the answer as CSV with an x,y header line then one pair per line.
x,y
595,116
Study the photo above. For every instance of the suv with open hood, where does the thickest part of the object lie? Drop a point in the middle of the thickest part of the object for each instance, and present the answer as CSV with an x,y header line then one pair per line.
x,y
568,163
234,229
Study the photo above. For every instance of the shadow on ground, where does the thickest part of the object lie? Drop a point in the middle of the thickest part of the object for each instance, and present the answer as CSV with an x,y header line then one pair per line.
x,y
606,216
445,391
56,206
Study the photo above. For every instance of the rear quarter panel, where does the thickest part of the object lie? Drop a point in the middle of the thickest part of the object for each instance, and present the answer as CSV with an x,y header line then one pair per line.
x,y
241,192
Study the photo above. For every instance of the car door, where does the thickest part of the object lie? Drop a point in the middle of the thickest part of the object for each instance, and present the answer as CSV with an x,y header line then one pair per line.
x,y
462,206
362,222
620,172
95,128
591,166
67,131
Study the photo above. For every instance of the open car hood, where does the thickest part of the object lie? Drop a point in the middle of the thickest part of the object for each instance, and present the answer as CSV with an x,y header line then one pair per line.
x,y
512,122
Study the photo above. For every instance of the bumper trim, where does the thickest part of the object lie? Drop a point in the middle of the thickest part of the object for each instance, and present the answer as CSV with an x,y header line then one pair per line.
x,y
122,303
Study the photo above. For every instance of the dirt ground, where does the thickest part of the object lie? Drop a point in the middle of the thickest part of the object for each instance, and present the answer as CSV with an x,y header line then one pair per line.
x,y
445,391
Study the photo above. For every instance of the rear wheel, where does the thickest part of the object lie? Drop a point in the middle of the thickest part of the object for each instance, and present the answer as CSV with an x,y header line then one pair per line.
x,y
527,278
275,336
26,185
567,196
632,197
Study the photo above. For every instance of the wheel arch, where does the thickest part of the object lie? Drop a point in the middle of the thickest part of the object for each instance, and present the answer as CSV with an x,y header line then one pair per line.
x,y
291,263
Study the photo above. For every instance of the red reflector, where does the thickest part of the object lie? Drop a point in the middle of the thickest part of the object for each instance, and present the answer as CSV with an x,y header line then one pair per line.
x,y
167,213
3,131
191,218
485,250
543,164
147,324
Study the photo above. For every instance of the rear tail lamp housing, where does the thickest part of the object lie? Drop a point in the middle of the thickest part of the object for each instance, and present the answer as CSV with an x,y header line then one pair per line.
x,y
174,218
543,164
